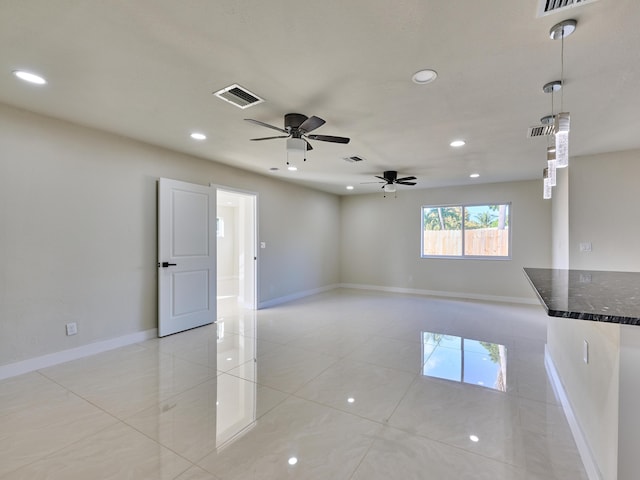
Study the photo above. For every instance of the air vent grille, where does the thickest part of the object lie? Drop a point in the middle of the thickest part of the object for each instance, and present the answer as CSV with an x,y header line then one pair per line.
x,y
353,159
540,131
238,96
547,7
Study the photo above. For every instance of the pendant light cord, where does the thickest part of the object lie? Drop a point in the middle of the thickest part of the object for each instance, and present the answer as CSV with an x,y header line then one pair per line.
x,y
561,73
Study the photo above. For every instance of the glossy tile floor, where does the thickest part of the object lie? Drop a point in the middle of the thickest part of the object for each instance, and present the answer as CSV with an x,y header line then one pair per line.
x,y
335,386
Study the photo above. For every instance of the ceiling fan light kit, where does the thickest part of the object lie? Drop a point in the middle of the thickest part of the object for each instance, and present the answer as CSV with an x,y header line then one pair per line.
x,y
296,151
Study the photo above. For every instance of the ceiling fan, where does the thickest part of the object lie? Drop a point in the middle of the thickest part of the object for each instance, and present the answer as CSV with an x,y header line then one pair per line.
x,y
297,127
390,180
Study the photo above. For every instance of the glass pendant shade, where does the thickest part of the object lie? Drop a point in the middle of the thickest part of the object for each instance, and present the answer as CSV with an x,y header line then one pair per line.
x,y
546,193
561,129
552,172
552,165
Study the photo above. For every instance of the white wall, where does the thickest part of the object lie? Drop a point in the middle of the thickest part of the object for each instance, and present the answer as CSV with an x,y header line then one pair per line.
x,y
560,220
78,235
227,251
593,388
604,209
381,242
597,202
628,434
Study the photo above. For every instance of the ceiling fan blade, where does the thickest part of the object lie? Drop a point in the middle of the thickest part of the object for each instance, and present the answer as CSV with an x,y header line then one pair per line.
x,y
268,138
381,178
364,183
309,147
258,122
405,183
405,179
328,138
311,124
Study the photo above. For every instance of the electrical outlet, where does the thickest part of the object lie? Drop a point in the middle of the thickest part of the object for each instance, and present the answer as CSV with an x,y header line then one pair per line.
x,y
72,328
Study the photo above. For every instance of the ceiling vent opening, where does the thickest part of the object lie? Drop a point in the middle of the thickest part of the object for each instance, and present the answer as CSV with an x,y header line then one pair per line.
x,y
353,159
540,131
547,7
238,96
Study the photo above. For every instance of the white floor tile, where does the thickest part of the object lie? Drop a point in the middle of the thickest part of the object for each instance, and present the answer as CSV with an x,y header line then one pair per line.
x,y
238,399
326,444
360,388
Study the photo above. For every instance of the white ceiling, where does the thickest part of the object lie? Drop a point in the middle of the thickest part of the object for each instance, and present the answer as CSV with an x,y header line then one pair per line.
x,y
146,69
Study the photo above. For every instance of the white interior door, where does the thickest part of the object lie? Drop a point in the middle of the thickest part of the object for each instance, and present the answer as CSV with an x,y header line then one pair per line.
x,y
186,256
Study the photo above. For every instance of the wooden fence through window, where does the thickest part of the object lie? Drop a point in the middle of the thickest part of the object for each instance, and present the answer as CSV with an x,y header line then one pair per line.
x,y
478,242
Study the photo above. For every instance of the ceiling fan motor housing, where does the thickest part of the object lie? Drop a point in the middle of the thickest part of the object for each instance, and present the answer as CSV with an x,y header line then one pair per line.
x,y
390,176
294,120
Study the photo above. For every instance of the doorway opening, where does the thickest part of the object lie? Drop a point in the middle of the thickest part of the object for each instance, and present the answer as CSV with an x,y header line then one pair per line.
x,y
236,251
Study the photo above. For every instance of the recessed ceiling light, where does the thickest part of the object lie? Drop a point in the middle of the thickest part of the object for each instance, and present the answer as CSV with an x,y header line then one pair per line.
x,y
424,76
292,461
351,399
457,143
474,175
474,438
198,136
349,187
292,168
29,77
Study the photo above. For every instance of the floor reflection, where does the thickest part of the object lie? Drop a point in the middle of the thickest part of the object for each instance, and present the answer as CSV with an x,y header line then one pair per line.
x,y
236,400
464,360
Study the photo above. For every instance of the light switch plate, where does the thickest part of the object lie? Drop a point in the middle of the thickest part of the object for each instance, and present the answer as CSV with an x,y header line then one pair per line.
x,y
585,246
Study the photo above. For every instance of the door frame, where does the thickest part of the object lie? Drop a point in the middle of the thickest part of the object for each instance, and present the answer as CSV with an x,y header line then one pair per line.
x,y
254,237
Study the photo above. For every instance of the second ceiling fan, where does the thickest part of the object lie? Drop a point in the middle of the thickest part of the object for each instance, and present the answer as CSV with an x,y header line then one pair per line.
x,y
390,178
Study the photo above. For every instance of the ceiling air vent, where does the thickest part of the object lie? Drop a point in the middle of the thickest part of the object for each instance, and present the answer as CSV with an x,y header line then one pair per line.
x,y
353,159
547,7
540,131
238,96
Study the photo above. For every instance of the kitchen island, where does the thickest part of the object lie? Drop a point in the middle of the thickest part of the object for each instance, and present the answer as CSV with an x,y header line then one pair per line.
x,y
593,361
587,294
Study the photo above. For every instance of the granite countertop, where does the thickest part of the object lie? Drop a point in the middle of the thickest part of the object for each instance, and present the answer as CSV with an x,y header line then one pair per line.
x,y
588,294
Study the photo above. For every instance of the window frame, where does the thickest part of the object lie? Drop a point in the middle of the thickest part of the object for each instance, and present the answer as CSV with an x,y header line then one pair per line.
x,y
462,256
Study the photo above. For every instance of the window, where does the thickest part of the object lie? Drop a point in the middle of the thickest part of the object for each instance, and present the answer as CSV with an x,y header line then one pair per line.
x,y
461,231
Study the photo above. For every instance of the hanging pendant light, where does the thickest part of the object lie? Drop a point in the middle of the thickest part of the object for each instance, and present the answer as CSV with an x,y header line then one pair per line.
x,y
562,119
551,88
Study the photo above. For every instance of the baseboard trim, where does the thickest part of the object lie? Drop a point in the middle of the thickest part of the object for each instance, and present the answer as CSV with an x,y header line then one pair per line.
x,y
296,296
436,293
589,462
32,364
